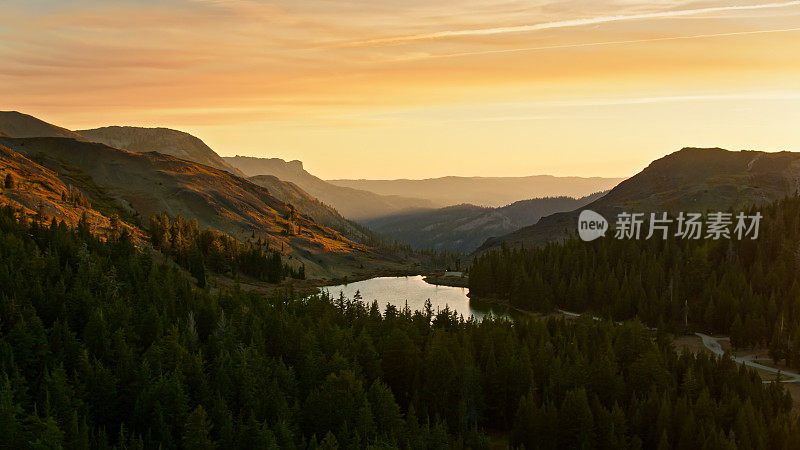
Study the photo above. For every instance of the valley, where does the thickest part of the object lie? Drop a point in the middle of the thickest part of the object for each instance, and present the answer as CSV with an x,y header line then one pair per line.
x,y
347,225
265,230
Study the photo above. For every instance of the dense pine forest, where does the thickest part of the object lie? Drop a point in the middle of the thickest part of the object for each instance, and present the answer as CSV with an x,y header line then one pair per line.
x,y
747,288
199,250
102,346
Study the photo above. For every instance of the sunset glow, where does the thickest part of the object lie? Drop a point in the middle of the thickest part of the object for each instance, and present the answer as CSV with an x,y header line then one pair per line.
x,y
382,89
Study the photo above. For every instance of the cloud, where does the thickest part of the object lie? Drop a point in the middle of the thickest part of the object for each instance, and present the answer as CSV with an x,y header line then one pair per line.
x,y
562,24
755,96
422,55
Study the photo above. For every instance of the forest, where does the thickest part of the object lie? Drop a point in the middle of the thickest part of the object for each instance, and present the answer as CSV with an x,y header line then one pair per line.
x,y
198,249
746,288
104,346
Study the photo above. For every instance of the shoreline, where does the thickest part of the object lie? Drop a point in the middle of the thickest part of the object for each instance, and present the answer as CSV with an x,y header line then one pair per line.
x,y
441,280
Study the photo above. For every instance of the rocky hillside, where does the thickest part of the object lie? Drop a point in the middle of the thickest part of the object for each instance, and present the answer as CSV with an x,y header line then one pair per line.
x,y
690,180
162,140
354,204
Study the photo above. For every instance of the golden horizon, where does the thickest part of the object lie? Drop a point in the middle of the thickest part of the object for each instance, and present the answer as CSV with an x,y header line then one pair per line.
x,y
381,91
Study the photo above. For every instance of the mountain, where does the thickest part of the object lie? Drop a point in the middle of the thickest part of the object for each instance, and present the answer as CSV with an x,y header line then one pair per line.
x,y
484,191
689,180
162,140
17,124
355,204
462,228
190,148
136,186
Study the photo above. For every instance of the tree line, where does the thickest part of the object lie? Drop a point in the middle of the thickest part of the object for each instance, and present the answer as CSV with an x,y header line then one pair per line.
x,y
199,250
747,288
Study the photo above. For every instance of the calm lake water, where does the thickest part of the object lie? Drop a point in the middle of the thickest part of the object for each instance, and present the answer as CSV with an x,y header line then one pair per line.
x,y
414,290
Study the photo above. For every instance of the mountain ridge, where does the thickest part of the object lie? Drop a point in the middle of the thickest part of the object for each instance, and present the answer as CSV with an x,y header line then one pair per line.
x,y
17,124
159,139
691,179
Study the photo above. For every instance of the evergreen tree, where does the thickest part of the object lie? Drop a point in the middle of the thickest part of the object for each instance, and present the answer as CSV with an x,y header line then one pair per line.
x,y
197,430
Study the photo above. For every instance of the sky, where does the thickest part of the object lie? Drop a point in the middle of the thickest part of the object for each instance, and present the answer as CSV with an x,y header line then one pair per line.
x,y
383,89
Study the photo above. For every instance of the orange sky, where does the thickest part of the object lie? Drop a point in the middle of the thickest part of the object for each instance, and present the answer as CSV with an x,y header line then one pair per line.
x,y
387,89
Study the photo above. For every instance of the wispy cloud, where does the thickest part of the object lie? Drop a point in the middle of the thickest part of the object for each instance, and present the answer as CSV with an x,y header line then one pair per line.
x,y
756,96
422,56
562,24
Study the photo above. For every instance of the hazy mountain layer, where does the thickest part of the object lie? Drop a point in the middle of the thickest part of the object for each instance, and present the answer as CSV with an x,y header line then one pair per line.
x,y
463,228
484,191
355,204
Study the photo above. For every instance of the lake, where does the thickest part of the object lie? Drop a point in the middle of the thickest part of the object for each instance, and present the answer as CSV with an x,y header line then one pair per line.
x,y
414,290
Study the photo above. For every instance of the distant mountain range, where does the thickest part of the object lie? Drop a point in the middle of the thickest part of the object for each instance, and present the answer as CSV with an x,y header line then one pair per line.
x,y
484,191
355,204
463,228
690,180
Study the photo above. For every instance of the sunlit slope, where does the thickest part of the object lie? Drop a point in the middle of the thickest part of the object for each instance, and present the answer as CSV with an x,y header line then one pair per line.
x,y
40,194
147,183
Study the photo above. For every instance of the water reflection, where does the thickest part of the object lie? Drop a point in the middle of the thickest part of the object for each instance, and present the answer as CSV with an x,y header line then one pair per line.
x,y
414,291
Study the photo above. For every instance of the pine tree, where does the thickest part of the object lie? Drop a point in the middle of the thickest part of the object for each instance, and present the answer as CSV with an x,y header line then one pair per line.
x,y
197,430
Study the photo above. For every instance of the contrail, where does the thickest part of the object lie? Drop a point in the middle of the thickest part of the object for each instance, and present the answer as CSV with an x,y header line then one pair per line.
x,y
563,24
594,44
